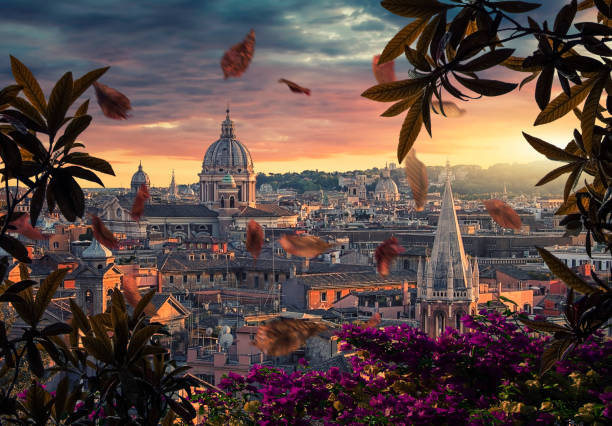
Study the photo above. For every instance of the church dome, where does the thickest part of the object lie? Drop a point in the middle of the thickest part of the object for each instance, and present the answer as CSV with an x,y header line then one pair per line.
x,y
386,185
96,251
140,178
228,181
227,152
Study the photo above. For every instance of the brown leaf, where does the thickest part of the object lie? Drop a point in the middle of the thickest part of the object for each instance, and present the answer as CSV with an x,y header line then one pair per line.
x,y
503,214
114,104
563,104
385,253
236,60
411,127
374,321
103,234
25,228
295,88
564,273
403,38
416,173
255,238
139,203
305,246
283,336
384,73
129,287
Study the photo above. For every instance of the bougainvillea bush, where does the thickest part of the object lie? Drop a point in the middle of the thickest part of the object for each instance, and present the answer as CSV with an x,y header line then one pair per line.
x,y
486,375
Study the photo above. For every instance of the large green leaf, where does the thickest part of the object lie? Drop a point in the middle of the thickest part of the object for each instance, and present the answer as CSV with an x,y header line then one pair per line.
x,y
47,290
549,150
390,92
24,77
76,126
563,104
410,128
59,102
486,87
405,37
589,113
81,84
565,274
90,162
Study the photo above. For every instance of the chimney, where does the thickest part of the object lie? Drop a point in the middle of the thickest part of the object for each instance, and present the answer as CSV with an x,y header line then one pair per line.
x,y
499,288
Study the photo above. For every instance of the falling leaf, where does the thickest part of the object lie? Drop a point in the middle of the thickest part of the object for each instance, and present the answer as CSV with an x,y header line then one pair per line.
x,y
384,73
25,228
114,104
129,287
416,173
236,60
385,253
305,246
450,109
374,321
503,214
103,234
139,202
295,88
255,238
283,336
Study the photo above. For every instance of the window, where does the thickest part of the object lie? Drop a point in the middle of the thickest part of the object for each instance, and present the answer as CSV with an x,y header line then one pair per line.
x,y
198,278
275,278
232,202
265,276
222,203
171,279
118,213
202,256
323,296
338,295
184,278
211,278
88,296
191,257
55,244
224,276
256,281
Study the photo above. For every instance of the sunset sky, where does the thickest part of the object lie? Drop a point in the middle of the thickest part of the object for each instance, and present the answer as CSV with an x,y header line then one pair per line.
x,y
164,55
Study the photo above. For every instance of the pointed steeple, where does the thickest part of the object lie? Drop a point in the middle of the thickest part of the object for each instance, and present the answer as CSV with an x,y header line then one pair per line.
x,y
448,249
419,277
173,189
227,126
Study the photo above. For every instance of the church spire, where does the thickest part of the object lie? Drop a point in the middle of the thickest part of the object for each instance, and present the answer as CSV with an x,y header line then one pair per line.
x,y
447,253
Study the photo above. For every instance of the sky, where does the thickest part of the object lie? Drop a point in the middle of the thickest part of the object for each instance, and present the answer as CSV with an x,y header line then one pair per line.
x,y
165,54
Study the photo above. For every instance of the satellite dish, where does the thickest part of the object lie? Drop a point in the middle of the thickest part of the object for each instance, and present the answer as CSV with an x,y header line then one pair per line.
x,y
226,341
226,329
209,331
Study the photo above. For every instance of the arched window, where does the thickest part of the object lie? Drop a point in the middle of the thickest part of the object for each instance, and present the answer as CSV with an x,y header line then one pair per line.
x,y
458,322
88,296
439,323
99,266
222,202
232,202
239,192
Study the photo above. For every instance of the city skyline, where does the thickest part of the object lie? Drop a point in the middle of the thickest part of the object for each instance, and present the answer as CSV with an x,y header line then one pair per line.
x,y
176,114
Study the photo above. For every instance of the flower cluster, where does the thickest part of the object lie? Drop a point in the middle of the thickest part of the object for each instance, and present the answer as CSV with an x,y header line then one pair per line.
x,y
486,375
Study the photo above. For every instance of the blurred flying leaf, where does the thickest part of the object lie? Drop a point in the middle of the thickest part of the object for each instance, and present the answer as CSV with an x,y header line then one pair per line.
x,y
254,238
503,214
384,73
25,228
114,104
305,246
295,88
416,173
385,253
283,336
374,321
236,60
103,234
139,202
